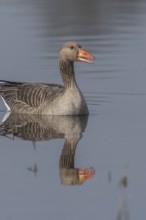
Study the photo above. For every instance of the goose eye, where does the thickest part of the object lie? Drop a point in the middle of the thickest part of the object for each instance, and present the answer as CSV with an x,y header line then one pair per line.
x,y
71,47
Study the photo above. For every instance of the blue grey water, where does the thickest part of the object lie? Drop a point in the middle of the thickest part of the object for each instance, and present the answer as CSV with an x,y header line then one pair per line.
x,y
113,140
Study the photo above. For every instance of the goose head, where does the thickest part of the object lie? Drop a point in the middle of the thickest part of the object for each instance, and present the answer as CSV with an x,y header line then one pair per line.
x,y
72,51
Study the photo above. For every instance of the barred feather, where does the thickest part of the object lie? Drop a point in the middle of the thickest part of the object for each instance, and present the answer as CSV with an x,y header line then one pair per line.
x,y
23,97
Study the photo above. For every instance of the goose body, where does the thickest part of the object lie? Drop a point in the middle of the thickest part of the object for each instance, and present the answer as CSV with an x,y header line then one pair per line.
x,y
50,99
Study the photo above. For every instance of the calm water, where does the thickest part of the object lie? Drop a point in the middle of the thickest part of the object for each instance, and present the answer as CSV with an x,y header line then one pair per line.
x,y
66,167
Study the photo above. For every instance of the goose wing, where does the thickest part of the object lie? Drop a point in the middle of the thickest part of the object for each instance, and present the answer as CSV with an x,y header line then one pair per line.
x,y
28,94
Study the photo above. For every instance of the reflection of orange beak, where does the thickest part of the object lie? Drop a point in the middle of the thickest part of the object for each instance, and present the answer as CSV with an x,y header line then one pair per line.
x,y
84,56
85,174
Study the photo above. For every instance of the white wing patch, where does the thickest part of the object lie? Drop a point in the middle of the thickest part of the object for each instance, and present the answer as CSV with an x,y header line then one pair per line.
x,y
6,116
7,107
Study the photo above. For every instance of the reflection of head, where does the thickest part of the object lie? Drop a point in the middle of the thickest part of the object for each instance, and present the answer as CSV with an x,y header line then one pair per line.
x,y
75,176
68,174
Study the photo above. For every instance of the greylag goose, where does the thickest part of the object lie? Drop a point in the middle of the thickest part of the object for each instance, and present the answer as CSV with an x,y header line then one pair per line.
x,y
50,99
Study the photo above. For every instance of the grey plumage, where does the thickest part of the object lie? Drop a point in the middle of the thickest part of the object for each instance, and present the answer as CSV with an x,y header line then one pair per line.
x,y
28,97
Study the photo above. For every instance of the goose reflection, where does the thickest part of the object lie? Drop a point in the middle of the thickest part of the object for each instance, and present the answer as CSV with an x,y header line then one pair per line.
x,y
42,127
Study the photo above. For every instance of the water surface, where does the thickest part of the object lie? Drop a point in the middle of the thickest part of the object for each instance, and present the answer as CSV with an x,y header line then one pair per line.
x,y
109,145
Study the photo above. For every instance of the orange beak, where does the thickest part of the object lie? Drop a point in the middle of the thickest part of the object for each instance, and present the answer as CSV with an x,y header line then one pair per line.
x,y
85,174
84,56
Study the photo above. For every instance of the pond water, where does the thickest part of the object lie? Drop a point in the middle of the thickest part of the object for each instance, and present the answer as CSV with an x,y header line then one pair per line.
x,y
76,167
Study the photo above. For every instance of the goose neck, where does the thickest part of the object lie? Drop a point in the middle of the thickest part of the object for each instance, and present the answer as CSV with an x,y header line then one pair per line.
x,y
67,73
